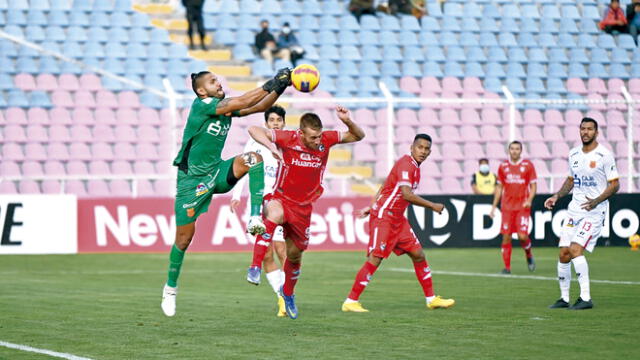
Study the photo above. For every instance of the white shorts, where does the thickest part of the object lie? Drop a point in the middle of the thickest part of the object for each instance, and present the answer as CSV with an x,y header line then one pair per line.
x,y
582,228
278,234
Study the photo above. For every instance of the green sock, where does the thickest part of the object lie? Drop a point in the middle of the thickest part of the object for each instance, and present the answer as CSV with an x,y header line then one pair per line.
x,y
175,263
256,187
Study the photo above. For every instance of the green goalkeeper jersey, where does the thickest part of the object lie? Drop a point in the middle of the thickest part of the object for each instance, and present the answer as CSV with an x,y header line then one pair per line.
x,y
203,139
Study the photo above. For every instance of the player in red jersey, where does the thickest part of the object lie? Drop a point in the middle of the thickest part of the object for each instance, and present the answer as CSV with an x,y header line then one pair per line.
x,y
303,154
390,231
517,187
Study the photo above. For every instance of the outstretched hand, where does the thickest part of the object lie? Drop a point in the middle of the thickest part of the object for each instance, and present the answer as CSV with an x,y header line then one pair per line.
x,y
362,213
343,113
550,202
590,204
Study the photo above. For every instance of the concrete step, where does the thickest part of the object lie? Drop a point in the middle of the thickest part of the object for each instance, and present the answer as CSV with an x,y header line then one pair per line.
x,y
230,70
170,24
182,38
153,8
211,55
362,171
337,154
364,189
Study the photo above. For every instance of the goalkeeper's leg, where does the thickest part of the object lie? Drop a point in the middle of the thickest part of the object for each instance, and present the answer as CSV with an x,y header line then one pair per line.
x,y
184,235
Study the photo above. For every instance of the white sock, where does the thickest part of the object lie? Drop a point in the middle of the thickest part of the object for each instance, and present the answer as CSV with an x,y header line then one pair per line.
x,y
430,299
274,279
582,271
349,301
564,278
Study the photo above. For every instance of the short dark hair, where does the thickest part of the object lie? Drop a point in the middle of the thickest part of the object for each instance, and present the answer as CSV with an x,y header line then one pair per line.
x,y
483,159
423,137
279,110
310,120
515,142
194,80
591,120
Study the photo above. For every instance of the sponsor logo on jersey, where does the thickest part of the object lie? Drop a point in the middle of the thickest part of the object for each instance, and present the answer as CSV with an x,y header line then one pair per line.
x,y
309,157
267,236
585,180
311,164
201,189
190,205
383,246
307,231
570,223
575,164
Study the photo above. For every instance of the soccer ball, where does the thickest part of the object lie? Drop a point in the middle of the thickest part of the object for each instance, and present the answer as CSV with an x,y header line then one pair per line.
x,y
305,77
634,241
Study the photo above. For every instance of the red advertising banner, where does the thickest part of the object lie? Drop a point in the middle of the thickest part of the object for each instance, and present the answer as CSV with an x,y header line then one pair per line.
x,y
148,225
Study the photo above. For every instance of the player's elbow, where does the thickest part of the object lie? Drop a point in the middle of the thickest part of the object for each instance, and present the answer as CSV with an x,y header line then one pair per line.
x,y
616,185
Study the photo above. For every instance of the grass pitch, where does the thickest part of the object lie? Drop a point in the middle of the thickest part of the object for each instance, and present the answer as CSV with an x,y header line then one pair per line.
x,y
107,307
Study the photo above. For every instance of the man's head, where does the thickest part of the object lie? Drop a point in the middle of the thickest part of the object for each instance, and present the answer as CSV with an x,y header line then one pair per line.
x,y
264,24
311,129
615,4
636,7
274,117
588,130
515,150
286,29
483,165
205,84
421,148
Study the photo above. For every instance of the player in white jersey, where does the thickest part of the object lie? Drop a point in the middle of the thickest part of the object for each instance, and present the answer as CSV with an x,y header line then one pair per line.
x,y
274,118
594,179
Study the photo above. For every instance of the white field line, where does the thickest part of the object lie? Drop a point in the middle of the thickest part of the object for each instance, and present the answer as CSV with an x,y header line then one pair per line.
x,y
42,351
505,276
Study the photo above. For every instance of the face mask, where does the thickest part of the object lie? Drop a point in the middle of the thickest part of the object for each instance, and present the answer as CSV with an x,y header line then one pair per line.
x,y
484,168
286,30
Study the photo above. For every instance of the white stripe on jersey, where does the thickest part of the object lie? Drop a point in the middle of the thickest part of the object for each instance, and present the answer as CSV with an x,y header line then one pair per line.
x,y
386,203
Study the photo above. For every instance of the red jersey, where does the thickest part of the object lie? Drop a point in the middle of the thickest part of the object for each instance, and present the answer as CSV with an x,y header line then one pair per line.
x,y
515,180
406,171
300,176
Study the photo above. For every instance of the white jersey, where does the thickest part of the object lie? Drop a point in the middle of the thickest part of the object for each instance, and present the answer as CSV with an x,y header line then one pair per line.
x,y
591,173
270,169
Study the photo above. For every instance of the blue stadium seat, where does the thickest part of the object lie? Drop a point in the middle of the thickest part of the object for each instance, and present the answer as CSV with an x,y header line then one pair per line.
x,y
606,41
327,84
93,50
453,69
51,46
536,69
468,39
496,53
6,82
137,51
431,24
348,67
551,12
369,22
428,39
511,10
619,71
433,9
389,38
327,67
151,100
16,17
369,84
547,40
635,70
509,25
141,20
139,35
453,9
590,12
369,68
507,40
620,55
495,70
347,37
155,67
24,52
470,24
476,53
39,99
434,53
556,86
409,23
307,37
556,70
281,63
7,66
411,68
98,18
244,37
597,70
311,7
243,52
586,41
526,39
558,55
119,35
225,37
347,22
390,68
72,49
431,68
228,22
488,25
390,23
451,24
588,26
448,38
14,30
578,55
114,65
36,17
17,98
488,39
329,22
568,26
515,85
474,69
599,56
577,71
548,26
470,11
253,7
515,69
530,11
124,5
103,5
262,68
456,53
392,84
39,4
76,33
49,65
369,52
81,5
407,38
34,33
491,11
330,52
177,51
99,34
8,49
493,84
116,50
369,38
578,106
348,84
111,84
625,41
537,55
311,53
413,53
292,7
78,18
535,85
392,52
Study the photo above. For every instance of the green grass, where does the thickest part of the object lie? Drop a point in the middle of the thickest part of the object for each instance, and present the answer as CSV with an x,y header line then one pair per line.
x,y
107,307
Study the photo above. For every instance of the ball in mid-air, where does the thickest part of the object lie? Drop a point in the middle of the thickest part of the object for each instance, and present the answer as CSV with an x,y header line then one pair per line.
x,y
305,77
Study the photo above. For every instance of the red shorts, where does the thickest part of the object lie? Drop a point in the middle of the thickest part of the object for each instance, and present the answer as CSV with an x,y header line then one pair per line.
x,y
388,234
515,221
297,219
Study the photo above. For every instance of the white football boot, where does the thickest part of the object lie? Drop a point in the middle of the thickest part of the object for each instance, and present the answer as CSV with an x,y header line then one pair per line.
x,y
169,300
256,226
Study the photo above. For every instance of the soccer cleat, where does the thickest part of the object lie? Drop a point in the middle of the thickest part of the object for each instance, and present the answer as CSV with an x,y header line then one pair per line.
x,y
256,226
559,304
253,275
531,264
581,305
282,312
505,271
290,304
168,304
353,307
440,303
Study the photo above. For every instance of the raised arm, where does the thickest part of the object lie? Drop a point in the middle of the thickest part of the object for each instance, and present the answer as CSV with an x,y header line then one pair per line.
x,y
355,133
263,136
249,99
261,106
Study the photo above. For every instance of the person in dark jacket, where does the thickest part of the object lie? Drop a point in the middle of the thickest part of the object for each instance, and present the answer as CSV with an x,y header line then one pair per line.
x,y
287,40
194,18
266,44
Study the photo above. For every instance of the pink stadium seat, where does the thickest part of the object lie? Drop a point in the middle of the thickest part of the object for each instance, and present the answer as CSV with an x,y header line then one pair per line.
x,y
8,187
52,167
505,133
541,167
25,82
128,99
79,151
407,117
37,133
533,117
429,186
449,116
147,133
470,166
491,116
616,117
472,84
59,116
75,187
634,86
35,151
596,86
121,167
451,84
560,148
576,85
597,105
76,167
103,133
68,82
37,116
62,98
99,167
124,151
473,150
369,134
105,116
146,151
493,96
559,167
143,167
451,169
490,133
469,133
57,151
126,133
450,95
620,149
15,133
102,151
81,133
436,154
84,99
150,116
144,188
410,84
126,116
46,82
615,133
495,151
450,133
598,116
553,117
430,84
164,187
380,169
532,133
573,118
542,186
2,119
28,187
468,96
164,167
551,133
428,117
15,115
430,169
106,99
615,86
98,188
451,185
623,166
404,133
617,106
83,116
426,94
9,168
120,188
470,117
364,117
90,82
363,152
51,187
539,150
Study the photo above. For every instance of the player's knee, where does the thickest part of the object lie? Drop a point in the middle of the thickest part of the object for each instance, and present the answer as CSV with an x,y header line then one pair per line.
x,y
183,239
419,257
565,255
575,251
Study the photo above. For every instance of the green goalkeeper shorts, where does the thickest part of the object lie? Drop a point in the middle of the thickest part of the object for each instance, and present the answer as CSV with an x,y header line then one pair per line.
x,y
194,193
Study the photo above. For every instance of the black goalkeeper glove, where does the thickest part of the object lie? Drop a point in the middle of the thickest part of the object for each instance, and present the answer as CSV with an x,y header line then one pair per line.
x,y
270,85
284,76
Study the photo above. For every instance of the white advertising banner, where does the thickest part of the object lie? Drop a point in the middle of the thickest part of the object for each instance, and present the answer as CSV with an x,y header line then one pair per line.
x,y
38,224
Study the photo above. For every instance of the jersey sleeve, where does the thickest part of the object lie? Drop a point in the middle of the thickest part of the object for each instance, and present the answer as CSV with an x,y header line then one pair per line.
x,y
500,177
405,174
331,137
280,137
610,169
532,175
209,105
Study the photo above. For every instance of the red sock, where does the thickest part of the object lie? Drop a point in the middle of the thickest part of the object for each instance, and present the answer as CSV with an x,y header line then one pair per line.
x,y
423,273
526,246
506,255
262,243
362,280
291,275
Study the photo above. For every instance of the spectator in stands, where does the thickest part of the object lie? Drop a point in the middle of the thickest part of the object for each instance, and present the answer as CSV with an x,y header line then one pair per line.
x,y
408,7
266,44
631,11
194,18
614,20
634,20
361,7
287,40
483,181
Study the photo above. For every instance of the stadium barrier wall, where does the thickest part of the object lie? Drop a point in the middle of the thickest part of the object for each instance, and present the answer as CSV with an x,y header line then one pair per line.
x,y
38,224
465,222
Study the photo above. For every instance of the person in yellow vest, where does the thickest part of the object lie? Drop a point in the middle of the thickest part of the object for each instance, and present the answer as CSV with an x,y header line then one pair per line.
x,y
483,181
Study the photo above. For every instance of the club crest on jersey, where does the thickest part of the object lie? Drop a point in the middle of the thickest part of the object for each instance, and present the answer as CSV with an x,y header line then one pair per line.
x,y
321,147
266,236
191,212
521,168
201,189
306,234
570,223
592,164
